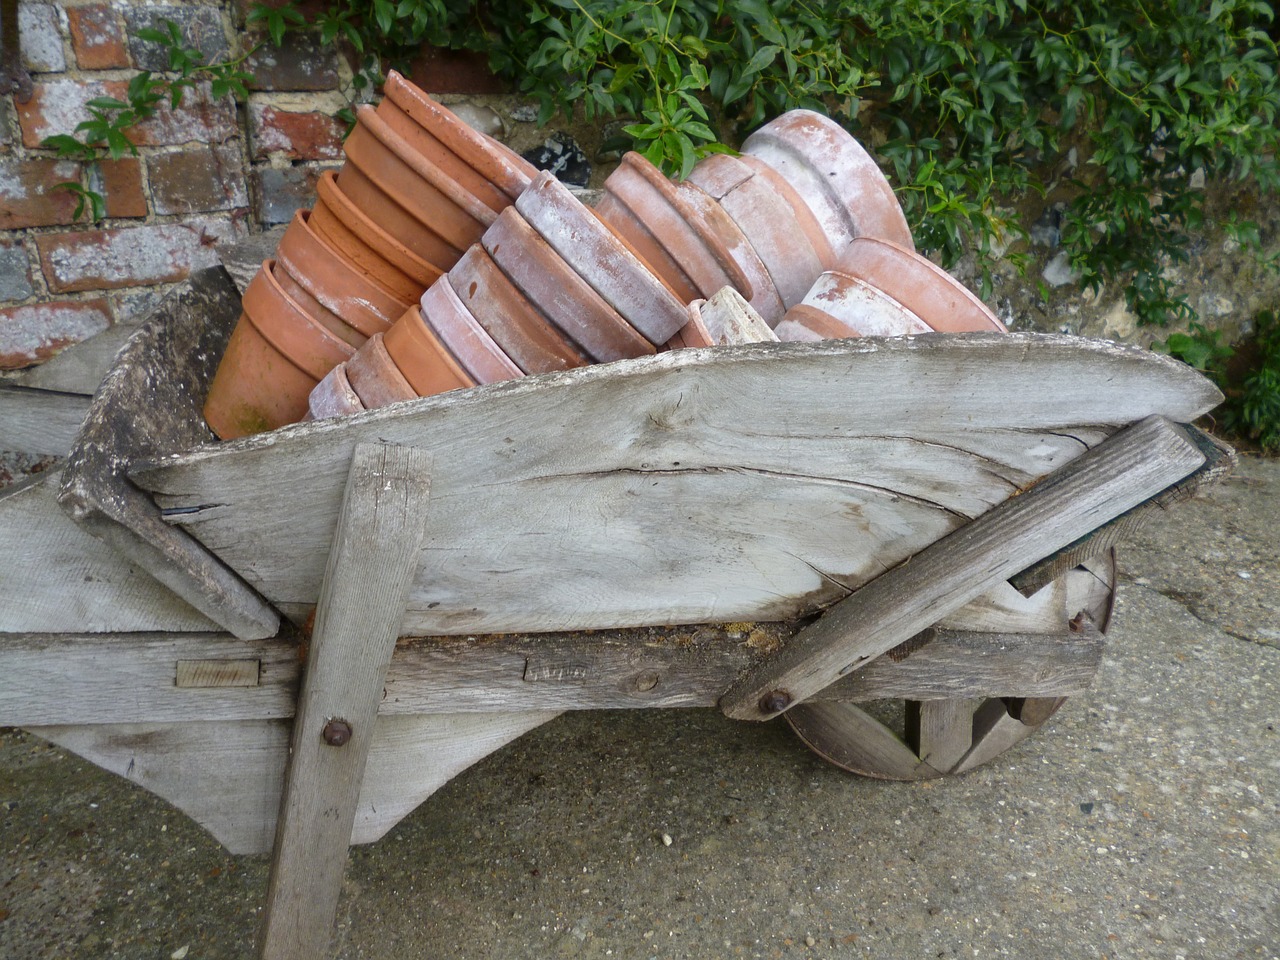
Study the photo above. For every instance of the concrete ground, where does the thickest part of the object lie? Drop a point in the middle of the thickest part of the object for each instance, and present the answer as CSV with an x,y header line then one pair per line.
x,y
1143,821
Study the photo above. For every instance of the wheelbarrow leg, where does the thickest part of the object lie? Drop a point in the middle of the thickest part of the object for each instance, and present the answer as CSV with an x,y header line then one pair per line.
x,y
362,600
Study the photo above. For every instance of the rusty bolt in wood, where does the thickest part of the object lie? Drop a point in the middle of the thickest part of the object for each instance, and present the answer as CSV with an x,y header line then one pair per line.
x,y
775,701
336,732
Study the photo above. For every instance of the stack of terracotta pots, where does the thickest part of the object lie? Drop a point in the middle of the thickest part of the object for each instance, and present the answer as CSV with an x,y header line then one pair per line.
x,y
418,188
437,259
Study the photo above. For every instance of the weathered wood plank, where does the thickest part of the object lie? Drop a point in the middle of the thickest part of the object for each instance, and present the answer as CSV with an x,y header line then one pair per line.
x,y
994,732
58,579
940,731
731,320
243,260
150,405
1135,464
375,553
1220,461
40,422
746,483
130,678
227,774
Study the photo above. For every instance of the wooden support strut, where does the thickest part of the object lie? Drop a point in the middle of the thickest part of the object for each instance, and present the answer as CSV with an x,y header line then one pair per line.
x,y
374,556
1116,475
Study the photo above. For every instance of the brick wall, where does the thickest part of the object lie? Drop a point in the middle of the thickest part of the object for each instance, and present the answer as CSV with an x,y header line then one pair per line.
x,y
207,173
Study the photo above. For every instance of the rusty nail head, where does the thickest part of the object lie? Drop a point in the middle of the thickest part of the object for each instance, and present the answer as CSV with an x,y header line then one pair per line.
x,y
775,702
336,732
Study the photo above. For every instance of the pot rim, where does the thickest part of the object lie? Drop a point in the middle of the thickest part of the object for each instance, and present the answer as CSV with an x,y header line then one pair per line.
x,y
504,366
378,240
436,357
298,338
509,171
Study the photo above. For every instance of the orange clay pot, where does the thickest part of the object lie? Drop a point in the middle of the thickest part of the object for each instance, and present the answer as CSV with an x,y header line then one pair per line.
x,y
337,284
374,376
657,220
425,362
477,352
843,306
488,170
840,182
559,293
274,359
345,227
920,285
516,325
601,259
333,396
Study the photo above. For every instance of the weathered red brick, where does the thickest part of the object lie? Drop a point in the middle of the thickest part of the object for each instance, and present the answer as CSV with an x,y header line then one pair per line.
x,y
97,37
198,179
27,194
40,38
441,70
33,333
57,106
310,135
129,257
301,63
120,183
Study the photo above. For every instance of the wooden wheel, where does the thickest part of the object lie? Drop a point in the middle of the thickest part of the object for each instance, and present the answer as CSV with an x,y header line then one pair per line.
x,y
926,739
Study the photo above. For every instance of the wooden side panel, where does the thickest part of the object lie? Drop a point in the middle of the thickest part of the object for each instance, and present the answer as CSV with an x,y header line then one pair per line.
x,y
40,422
56,578
227,775
751,482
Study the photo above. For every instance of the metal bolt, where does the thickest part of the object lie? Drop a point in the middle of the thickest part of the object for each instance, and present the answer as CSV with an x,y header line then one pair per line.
x,y
336,732
775,702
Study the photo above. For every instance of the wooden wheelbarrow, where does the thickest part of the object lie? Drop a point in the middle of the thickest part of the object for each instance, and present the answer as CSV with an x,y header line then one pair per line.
x,y
297,637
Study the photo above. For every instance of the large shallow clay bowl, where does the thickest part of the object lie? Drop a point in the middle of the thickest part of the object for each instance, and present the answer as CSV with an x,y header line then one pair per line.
x,y
567,300
344,226
274,358
657,220
466,339
335,282
425,362
408,195
919,284
492,172
768,220
839,305
375,378
842,184
602,259
516,325
333,397
694,333
805,217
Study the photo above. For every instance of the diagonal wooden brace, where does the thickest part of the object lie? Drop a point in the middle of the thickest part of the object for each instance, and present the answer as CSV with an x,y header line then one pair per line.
x,y
375,553
1132,465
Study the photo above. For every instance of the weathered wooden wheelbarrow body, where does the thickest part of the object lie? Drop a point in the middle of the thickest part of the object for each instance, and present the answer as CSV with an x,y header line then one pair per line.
x,y
457,570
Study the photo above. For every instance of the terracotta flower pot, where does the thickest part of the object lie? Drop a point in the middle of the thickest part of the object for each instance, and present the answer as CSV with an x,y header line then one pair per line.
x,y
694,333
657,219
333,397
477,352
487,169
408,195
839,305
425,362
366,245
510,318
602,259
375,378
341,287
724,319
562,296
769,221
919,284
841,183
315,309
275,357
